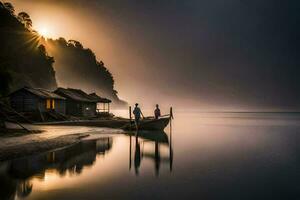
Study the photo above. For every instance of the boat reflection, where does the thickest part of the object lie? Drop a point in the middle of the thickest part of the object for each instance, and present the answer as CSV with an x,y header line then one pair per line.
x,y
16,175
157,139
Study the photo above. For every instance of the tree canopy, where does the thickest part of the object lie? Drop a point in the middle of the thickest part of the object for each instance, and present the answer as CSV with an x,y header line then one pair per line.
x,y
29,62
24,18
23,61
81,69
9,7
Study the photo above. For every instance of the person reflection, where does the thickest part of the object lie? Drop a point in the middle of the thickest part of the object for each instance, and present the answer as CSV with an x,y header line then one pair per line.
x,y
137,155
157,158
158,139
171,148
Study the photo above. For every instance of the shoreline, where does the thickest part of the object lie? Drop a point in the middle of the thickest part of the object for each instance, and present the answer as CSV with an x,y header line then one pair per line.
x,y
21,150
20,145
100,123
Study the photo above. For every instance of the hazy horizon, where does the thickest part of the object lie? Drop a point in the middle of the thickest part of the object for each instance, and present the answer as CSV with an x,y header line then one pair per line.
x,y
212,55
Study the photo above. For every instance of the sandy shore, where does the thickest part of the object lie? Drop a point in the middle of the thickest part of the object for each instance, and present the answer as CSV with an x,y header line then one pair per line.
x,y
51,137
20,150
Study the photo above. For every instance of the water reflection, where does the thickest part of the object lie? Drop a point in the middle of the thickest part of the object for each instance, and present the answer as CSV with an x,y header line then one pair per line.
x,y
16,175
143,141
216,158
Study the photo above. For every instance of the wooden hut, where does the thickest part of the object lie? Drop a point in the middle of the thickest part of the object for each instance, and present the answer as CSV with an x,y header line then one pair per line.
x,y
103,104
40,100
78,103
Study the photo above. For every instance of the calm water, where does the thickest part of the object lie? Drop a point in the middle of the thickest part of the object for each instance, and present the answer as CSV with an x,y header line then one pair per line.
x,y
205,156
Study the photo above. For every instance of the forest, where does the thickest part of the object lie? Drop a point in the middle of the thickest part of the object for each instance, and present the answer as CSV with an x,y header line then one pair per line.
x,y
28,59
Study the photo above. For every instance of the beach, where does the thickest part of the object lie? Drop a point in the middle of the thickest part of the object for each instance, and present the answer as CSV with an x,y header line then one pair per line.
x,y
49,138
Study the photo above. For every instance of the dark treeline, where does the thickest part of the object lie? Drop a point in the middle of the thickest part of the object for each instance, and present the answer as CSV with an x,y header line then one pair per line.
x,y
78,67
25,60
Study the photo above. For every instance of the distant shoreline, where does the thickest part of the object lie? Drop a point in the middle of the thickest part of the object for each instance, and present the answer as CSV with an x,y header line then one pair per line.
x,y
268,112
229,112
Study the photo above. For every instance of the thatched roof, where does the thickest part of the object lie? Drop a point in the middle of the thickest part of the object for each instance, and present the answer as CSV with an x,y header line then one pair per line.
x,y
41,93
75,94
99,99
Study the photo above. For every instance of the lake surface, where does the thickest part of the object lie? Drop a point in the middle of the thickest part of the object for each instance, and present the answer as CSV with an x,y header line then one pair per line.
x,y
203,156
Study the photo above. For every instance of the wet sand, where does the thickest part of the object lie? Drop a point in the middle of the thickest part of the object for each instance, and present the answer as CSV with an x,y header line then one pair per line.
x,y
8,152
51,137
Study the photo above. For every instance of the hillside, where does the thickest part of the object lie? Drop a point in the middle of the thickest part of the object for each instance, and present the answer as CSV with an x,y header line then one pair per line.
x,y
78,67
22,56
27,59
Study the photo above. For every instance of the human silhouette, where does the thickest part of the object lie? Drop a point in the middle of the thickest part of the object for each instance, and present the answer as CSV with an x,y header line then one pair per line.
x,y
137,114
157,112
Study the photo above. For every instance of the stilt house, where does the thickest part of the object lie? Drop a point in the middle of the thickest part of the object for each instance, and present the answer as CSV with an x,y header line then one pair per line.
x,y
78,103
29,99
103,104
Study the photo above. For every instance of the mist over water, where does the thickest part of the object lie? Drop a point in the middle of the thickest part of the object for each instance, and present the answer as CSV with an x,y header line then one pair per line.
x,y
209,55
228,69
212,156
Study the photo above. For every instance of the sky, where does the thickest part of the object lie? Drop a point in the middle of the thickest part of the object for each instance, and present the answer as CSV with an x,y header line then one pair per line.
x,y
204,54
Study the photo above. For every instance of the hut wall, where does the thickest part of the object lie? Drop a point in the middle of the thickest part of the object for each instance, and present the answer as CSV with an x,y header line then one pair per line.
x,y
24,102
42,104
73,108
60,106
88,109
77,108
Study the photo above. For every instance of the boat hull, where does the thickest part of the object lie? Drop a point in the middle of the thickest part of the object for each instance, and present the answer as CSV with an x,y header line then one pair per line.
x,y
149,124
155,136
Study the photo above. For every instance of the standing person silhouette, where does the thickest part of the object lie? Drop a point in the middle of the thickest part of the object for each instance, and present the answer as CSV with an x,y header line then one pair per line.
x,y
157,112
137,114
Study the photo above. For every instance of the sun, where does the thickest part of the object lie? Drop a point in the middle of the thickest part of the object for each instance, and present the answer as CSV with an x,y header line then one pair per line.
x,y
44,31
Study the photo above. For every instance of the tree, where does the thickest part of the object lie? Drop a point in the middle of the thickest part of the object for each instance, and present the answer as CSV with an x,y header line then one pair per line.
x,y
75,43
24,18
9,7
101,63
42,49
62,41
5,81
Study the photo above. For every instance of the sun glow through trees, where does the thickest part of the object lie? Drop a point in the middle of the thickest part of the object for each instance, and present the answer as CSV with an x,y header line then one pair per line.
x,y
44,31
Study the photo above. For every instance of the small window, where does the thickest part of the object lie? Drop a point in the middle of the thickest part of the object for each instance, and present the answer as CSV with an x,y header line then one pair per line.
x,y
53,104
48,103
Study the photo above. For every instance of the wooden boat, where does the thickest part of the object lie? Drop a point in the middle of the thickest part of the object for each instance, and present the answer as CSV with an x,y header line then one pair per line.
x,y
155,136
149,124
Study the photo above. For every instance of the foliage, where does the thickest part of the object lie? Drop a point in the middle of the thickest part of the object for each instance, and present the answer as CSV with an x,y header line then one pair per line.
x,y
80,68
24,18
26,62
9,7
75,44
30,64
